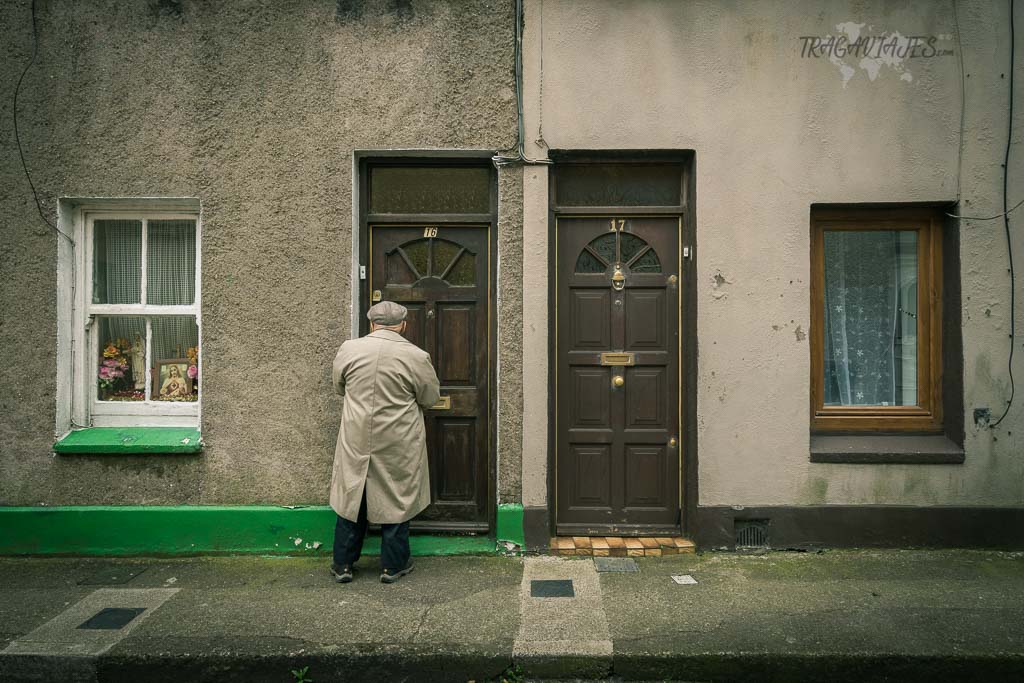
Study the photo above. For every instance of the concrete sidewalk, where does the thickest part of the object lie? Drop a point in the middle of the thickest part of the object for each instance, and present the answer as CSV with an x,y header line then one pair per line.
x,y
837,615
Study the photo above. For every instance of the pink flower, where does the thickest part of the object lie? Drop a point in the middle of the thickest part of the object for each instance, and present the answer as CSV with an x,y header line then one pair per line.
x,y
110,362
192,371
104,372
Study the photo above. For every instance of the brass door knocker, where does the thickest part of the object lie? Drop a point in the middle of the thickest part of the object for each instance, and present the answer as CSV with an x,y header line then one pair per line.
x,y
618,279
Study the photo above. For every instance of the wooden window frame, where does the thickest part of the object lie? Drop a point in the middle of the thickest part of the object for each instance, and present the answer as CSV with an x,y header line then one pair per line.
x,y
86,409
926,416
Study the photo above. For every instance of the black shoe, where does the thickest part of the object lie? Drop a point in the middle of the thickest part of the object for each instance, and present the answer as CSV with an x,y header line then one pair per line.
x,y
393,575
342,574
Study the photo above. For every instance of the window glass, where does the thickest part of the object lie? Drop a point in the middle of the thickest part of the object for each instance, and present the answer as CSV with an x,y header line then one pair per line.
x,y
647,263
630,245
870,321
605,246
587,263
618,185
463,273
117,261
444,254
430,189
171,262
418,254
175,364
121,366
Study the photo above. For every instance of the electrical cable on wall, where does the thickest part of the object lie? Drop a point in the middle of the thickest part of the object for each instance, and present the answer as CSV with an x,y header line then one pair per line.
x,y
963,102
17,135
520,148
1006,226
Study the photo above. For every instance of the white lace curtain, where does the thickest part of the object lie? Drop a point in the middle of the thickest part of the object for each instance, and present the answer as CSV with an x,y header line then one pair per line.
x,y
870,317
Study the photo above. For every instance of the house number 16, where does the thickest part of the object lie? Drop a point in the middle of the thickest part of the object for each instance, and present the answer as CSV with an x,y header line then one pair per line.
x,y
430,232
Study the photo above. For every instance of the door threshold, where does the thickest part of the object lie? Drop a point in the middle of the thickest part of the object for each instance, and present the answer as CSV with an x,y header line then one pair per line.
x,y
621,546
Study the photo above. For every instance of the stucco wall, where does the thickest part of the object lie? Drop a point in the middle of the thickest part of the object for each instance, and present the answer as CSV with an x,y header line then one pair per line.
x,y
254,108
510,334
774,133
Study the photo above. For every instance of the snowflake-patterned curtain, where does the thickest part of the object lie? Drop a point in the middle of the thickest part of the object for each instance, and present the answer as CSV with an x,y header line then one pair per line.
x,y
868,318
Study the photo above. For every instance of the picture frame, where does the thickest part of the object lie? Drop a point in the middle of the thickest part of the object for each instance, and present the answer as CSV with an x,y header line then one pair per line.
x,y
165,386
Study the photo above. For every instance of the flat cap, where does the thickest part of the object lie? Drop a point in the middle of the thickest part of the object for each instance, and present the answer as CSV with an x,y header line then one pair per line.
x,y
386,313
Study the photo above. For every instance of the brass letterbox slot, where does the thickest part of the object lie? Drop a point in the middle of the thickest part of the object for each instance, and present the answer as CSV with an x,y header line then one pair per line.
x,y
443,403
616,359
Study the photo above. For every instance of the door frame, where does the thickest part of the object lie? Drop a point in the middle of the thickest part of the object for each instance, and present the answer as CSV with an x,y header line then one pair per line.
x,y
362,162
686,213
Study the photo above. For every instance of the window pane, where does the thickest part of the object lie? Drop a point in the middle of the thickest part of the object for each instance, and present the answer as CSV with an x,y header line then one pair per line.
x,y
870,317
171,263
121,367
116,262
175,363
430,189
618,185
464,272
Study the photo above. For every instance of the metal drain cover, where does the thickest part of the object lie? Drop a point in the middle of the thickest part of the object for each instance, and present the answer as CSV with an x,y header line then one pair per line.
x,y
552,588
615,564
112,618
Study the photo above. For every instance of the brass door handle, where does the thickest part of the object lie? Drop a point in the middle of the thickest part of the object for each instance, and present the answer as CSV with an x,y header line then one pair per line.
x,y
618,381
672,442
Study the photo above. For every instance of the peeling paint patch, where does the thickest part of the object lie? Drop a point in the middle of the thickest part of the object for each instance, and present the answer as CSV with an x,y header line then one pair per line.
x,y
799,333
718,281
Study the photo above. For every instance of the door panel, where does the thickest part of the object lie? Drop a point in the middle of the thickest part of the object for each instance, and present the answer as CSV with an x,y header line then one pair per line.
x,y
617,459
591,486
441,275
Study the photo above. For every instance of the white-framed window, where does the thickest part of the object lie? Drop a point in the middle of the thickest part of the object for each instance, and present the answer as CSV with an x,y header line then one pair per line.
x,y
129,329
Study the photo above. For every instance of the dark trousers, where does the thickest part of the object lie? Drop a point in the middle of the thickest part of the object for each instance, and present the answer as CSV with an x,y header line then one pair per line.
x,y
348,541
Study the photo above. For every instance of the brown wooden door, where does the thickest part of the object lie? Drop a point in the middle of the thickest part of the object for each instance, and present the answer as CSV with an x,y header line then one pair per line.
x,y
441,275
617,431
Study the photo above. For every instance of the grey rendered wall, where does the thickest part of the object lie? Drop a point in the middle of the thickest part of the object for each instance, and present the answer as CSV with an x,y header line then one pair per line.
x,y
774,133
255,109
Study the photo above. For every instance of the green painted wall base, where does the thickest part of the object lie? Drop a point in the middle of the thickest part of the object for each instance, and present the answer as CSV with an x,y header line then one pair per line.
x,y
510,524
209,529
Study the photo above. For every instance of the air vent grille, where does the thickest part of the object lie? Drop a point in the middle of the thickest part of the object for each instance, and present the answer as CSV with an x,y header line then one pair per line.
x,y
751,533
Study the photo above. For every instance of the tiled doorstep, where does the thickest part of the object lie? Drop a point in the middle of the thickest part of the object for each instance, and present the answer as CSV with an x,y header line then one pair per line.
x,y
616,546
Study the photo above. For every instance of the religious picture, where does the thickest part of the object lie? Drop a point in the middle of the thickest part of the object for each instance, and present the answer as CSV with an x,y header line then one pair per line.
x,y
173,382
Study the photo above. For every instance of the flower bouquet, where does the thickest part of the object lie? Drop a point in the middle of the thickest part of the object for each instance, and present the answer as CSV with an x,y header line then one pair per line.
x,y
113,367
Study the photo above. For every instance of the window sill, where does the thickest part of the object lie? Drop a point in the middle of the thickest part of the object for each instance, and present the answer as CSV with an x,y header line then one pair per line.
x,y
130,440
889,449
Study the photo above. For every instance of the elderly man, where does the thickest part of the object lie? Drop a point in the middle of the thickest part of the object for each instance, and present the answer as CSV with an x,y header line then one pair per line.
x,y
380,463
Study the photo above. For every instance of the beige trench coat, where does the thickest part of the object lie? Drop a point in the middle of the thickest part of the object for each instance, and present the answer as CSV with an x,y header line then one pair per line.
x,y
387,382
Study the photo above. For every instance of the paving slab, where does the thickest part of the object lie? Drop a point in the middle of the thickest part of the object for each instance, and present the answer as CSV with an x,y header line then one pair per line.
x,y
451,617
562,637
842,614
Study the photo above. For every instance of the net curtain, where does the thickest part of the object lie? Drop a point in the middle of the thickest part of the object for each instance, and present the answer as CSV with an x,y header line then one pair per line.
x,y
869,277
170,280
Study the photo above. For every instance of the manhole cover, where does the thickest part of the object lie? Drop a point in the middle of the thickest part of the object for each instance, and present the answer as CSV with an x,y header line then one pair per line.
x,y
615,564
112,618
552,588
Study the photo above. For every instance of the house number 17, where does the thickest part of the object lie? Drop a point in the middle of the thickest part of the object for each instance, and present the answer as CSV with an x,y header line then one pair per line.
x,y
618,224
430,232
